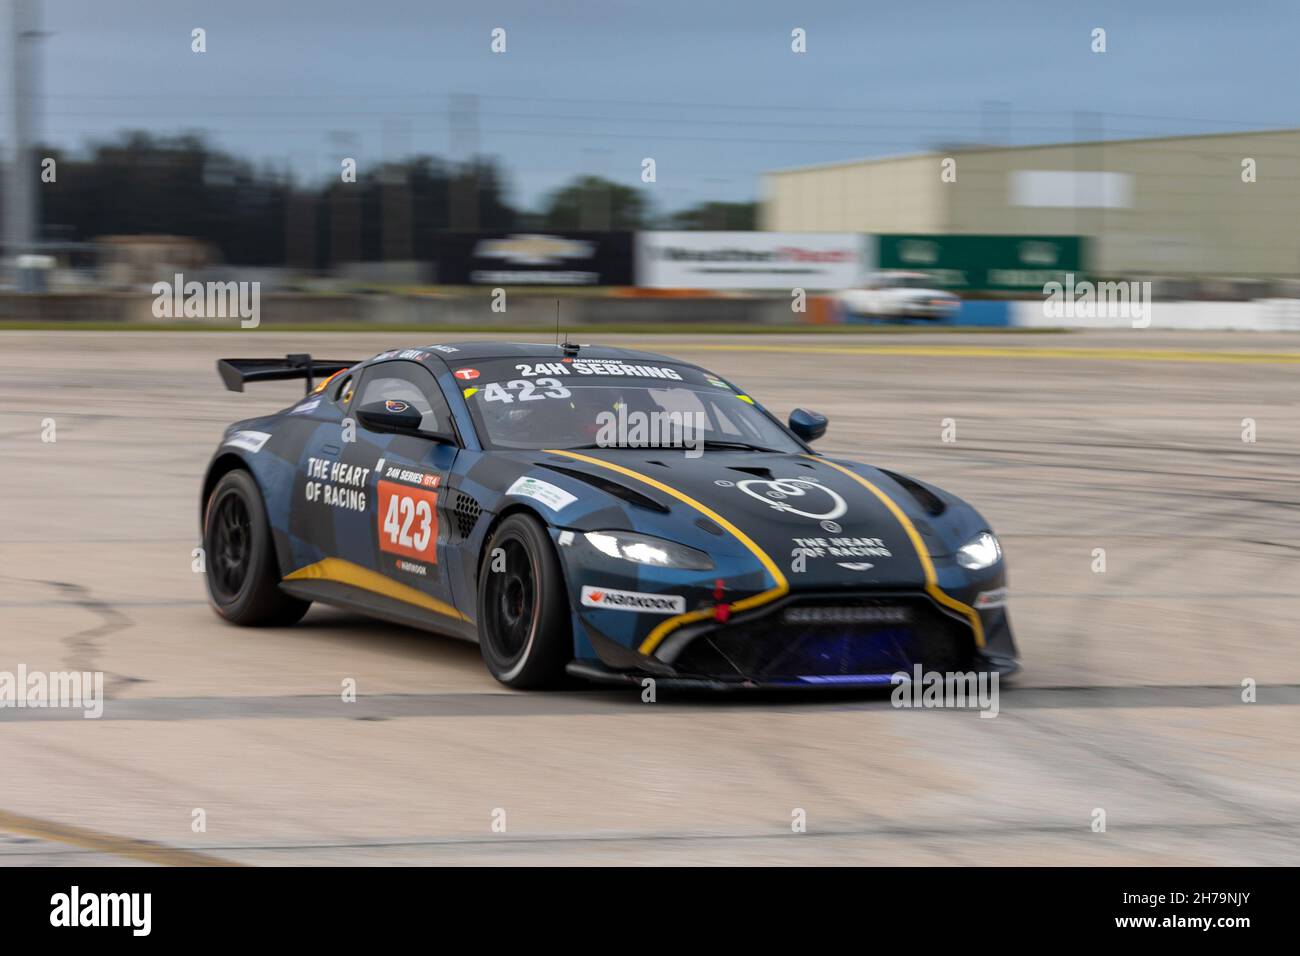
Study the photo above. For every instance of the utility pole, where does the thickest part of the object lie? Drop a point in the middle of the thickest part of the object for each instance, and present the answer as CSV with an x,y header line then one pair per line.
x,y
344,201
394,193
462,144
20,209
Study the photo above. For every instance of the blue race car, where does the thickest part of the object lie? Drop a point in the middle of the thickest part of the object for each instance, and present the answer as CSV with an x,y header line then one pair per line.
x,y
595,512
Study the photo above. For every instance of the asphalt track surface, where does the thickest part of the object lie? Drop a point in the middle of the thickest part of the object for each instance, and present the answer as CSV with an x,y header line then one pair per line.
x,y
1130,701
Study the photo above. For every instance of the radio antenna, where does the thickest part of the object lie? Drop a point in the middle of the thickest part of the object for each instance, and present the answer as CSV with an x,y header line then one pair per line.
x,y
570,349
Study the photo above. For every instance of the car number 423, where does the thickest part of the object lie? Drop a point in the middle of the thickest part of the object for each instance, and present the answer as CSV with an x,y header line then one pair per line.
x,y
533,391
408,521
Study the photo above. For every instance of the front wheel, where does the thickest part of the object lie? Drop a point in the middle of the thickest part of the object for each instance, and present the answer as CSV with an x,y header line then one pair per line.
x,y
523,612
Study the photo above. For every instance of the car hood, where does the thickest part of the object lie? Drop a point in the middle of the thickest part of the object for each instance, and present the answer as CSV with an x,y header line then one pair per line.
x,y
821,522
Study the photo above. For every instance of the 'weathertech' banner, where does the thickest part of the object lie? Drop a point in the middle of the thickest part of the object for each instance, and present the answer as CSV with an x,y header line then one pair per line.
x,y
752,260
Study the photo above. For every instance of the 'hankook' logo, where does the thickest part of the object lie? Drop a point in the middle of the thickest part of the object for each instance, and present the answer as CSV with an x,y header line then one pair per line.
x,y
614,600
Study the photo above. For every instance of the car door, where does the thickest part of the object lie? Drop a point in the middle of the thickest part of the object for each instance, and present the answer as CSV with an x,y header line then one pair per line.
x,y
324,513
404,480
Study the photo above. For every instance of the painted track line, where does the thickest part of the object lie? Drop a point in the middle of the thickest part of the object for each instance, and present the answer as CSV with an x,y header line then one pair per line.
x,y
611,703
87,839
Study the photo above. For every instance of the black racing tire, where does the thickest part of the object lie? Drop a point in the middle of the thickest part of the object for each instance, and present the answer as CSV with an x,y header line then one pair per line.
x,y
243,575
524,624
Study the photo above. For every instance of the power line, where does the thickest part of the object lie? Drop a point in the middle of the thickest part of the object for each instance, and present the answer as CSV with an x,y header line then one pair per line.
x,y
676,105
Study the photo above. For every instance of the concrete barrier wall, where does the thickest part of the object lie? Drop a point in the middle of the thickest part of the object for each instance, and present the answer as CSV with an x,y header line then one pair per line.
x,y
1259,315
574,310
580,310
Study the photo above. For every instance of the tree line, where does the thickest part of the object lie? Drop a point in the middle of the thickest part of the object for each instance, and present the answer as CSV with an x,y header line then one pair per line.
x,y
144,184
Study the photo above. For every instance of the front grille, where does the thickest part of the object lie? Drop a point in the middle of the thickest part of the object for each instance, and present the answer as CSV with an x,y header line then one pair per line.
x,y
466,512
832,637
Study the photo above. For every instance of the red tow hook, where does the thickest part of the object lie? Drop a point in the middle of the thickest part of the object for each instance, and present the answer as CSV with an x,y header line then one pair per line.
x,y
721,611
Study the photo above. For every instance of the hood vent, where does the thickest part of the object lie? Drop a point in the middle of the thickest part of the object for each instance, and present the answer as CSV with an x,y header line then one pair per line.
x,y
704,524
609,486
926,498
757,472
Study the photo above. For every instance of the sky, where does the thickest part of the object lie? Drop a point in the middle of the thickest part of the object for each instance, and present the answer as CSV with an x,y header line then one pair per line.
x,y
710,90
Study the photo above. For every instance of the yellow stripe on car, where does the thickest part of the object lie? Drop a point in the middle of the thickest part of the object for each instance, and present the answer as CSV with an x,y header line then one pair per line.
x,y
922,552
781,585
345,572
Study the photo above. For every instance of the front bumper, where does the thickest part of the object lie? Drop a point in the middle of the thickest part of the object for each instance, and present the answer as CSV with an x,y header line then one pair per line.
x,y
831,640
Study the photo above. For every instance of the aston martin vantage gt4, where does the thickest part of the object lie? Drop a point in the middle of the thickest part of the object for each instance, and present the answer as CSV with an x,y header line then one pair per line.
x,y
593,512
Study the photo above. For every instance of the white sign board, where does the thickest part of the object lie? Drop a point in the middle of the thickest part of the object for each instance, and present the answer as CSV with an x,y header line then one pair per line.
x,y
1071,189
753,260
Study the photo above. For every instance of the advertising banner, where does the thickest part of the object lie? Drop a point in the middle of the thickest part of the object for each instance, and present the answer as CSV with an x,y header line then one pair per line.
x,y
985,263
752,260
534,258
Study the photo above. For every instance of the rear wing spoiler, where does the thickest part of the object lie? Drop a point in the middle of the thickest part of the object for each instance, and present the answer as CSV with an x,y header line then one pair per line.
x,y
235,372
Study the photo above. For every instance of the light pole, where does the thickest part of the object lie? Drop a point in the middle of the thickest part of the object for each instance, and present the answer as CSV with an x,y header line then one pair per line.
x,y
20,208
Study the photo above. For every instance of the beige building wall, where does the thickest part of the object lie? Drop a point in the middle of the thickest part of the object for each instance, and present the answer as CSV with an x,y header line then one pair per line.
x,y
887,195
1181,206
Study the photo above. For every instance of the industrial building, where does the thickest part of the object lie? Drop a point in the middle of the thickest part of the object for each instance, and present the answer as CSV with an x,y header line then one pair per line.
x,y
1211,205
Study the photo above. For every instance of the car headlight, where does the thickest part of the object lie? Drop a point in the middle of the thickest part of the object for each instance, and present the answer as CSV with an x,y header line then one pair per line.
x,y
981,551
646,549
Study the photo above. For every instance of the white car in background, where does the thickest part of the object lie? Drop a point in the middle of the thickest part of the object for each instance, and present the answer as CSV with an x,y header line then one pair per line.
x,y
900,295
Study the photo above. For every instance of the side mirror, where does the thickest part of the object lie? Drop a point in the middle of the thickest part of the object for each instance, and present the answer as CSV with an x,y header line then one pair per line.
x,y
809,426
392,415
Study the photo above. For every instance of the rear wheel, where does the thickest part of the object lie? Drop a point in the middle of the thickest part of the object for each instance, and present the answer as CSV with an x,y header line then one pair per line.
x,y
242,573
523,613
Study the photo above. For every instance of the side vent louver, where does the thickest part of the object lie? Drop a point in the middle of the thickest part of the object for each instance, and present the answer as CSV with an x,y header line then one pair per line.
x,y
465,511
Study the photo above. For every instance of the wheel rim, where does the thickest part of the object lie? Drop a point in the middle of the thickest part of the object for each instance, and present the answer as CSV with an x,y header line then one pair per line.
x,y
231,545
511,603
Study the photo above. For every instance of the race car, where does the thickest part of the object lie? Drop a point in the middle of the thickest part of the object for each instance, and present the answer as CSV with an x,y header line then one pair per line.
x,y
899,295
591,512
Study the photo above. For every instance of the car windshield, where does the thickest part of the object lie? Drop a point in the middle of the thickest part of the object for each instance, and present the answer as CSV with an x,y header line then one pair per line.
x,y
611,403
